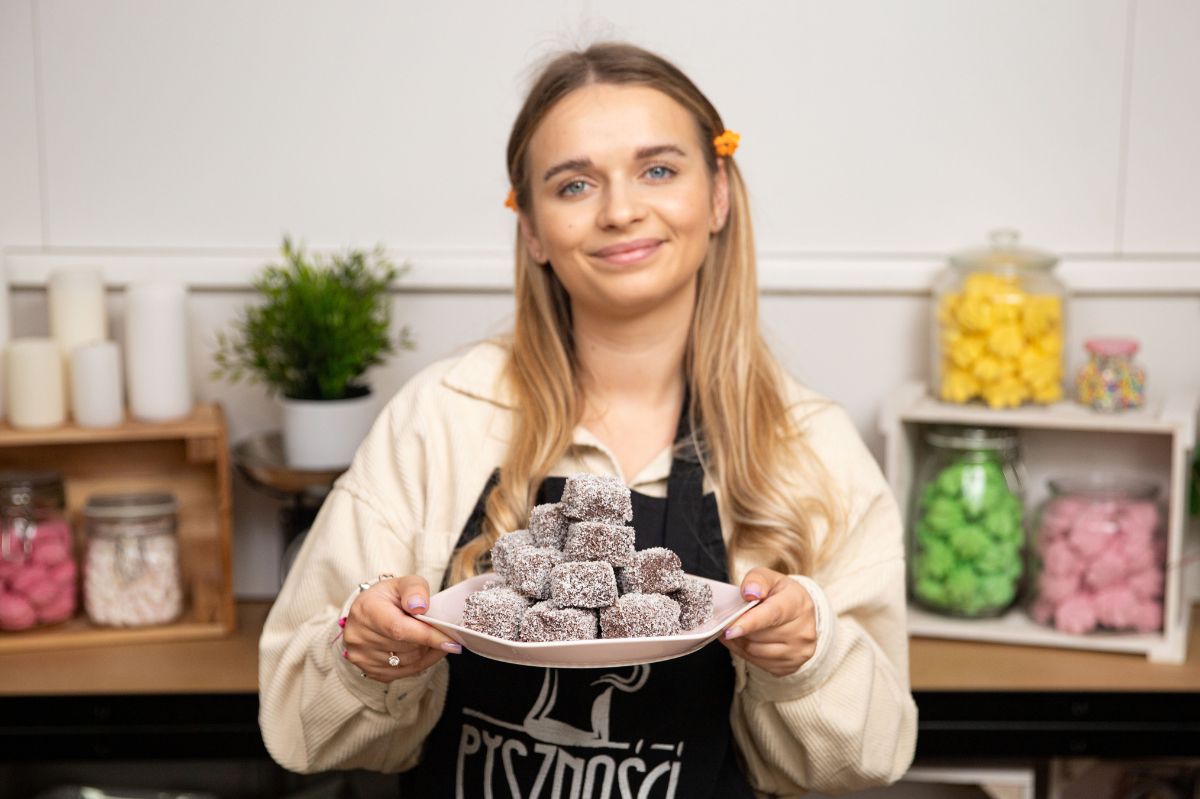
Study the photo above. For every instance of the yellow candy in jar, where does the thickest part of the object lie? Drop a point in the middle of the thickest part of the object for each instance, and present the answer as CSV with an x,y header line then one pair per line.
x,y
1000,325
1008,392
959,386
1006,341
965,350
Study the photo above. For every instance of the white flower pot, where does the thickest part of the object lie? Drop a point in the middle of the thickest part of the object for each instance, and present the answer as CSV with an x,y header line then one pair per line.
x,y
325,434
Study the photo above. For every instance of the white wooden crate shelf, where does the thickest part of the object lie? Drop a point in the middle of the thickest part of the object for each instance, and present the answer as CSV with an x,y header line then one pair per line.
x,y
1154,442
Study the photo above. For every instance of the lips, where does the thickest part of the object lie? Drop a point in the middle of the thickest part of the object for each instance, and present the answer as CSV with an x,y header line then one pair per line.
x,y
629,251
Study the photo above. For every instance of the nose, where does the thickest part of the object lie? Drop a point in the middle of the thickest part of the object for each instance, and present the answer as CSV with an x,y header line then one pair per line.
x,y
621,206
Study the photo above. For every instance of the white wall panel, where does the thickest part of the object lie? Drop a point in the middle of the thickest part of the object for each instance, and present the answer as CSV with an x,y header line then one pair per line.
x,y
227,123
875,126
1162,209
20,201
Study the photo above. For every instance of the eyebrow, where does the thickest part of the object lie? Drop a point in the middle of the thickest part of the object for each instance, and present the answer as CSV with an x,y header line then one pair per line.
x,y
584,163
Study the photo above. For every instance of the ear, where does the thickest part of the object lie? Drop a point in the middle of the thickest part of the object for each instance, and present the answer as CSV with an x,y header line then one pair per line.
x,y
529,236
720,198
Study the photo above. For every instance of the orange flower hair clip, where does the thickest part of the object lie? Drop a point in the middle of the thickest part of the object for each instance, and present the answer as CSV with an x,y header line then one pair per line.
x,y
511,200
726,143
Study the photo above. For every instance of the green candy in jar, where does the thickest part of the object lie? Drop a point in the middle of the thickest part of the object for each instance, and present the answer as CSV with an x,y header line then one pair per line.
x,y
966,530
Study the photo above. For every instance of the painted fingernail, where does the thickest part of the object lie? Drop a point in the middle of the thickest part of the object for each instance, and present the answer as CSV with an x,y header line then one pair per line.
x,y
342,621
733,632
417,603
753,590
345,653
452,648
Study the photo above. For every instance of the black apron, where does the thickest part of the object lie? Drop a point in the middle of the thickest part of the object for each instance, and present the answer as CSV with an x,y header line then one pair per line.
x,y
657,731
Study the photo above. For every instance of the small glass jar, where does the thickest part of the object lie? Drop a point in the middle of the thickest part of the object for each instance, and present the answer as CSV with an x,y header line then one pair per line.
x,y
1098,557
998,326
1110,380
966,535
131,573
38,572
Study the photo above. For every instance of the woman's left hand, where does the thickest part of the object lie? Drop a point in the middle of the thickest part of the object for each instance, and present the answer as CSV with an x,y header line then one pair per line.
x,y
779,634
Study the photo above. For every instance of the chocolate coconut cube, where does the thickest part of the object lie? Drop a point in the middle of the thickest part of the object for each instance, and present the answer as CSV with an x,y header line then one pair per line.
x,y
495,611
583,584
528,570
545,622
640,616
506,544
548,525
597,498
652,571
695,600
600,541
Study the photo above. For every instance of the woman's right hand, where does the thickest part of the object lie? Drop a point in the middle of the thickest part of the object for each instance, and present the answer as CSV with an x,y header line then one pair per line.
x,y
384,620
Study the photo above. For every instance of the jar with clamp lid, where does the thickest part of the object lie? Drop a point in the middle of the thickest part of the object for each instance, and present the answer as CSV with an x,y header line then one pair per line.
x,y
132,570
38,571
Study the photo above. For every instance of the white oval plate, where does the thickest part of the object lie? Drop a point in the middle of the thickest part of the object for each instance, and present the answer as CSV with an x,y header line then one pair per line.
x,y
446,609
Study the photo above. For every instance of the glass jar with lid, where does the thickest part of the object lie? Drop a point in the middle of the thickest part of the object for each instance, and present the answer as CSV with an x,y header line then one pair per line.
x,y
966,535
998,326
1111,380
38,571
1098,556
132,572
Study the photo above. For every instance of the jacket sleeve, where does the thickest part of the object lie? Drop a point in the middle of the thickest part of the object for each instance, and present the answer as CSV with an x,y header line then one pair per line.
x,y
316,710
846,720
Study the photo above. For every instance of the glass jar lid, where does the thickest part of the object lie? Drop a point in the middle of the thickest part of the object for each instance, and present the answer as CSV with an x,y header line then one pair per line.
x,y
1104,487
972,438
1004,255
31,488
130,506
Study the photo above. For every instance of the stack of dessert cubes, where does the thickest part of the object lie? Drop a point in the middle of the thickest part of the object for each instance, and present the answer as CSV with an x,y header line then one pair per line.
x,y
575,574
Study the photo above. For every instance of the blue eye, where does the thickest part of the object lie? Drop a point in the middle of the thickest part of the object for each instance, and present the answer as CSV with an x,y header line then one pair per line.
x,y
572,188
660,172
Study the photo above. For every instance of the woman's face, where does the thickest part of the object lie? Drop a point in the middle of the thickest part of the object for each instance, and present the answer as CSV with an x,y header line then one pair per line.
x,y
622,203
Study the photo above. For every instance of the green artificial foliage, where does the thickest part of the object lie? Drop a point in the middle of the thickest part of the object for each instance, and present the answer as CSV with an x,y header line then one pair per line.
x,y
322,324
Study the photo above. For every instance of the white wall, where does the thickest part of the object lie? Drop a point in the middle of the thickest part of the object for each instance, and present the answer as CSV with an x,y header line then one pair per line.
x,y
142,136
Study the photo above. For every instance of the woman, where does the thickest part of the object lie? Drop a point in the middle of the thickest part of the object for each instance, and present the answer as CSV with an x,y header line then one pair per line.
x,y
636,352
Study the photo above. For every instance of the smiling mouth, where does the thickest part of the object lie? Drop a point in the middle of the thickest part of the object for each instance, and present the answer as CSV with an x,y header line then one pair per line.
x,y
629,255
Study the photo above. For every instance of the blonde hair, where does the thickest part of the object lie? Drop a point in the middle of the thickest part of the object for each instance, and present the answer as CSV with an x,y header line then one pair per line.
x,y
770,485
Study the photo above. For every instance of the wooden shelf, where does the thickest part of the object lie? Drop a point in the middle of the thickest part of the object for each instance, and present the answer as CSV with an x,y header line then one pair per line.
x,y
188,458
1152,443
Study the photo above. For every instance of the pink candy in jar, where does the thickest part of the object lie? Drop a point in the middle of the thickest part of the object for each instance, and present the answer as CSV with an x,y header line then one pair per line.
x,y
1098,557
37,565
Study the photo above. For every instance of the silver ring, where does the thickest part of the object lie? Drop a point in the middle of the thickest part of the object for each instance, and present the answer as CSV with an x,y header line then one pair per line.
x,y
393,659
363,586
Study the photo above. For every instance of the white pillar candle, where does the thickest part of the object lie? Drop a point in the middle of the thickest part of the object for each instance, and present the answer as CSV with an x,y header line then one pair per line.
x,y
34,382
156,351
77,314
97,399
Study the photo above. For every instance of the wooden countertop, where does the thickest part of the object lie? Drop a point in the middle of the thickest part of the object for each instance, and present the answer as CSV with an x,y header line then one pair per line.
x,y
229,666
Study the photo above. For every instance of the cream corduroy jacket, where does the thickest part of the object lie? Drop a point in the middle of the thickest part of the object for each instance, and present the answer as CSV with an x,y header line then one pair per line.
x,y
845,720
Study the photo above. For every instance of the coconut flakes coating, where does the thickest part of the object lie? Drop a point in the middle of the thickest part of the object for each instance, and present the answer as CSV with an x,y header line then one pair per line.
x,y
597,498
695,600
583,584
656,570
506,544
495,611
600,541
528,570
548,525
640,616
545,622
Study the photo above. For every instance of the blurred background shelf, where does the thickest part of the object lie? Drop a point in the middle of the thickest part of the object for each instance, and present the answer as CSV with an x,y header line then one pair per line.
x,y
1153,443
188,458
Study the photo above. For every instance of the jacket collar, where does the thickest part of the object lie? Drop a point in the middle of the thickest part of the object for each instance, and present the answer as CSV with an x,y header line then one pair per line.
x,y
480,374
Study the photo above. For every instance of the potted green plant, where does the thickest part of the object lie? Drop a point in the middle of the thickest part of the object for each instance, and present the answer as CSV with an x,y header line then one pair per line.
x,y
321,325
